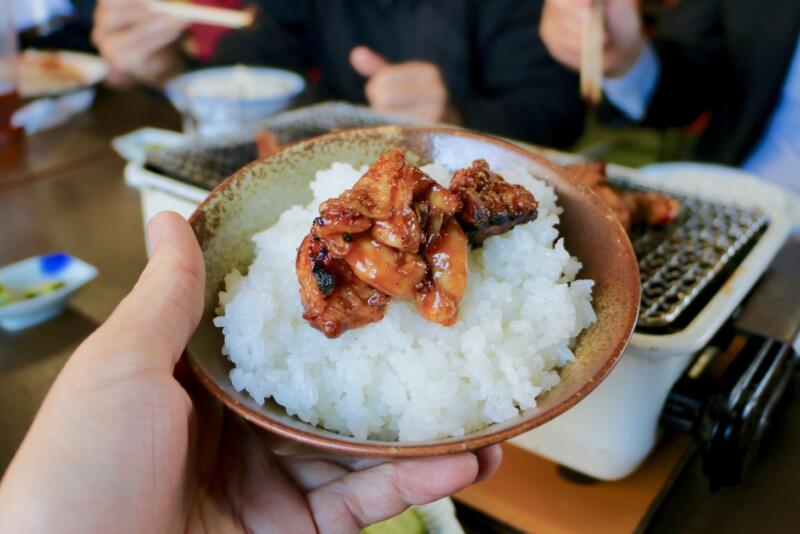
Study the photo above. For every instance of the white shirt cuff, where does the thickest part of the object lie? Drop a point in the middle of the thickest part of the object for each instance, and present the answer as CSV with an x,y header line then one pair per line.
x,y
633,92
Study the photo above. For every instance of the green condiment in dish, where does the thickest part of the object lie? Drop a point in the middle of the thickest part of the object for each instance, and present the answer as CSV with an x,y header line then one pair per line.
x,y
409,522
43,289
5,296
31,292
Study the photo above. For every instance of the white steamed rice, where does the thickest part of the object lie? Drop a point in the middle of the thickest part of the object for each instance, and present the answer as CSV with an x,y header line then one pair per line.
x,y
404,377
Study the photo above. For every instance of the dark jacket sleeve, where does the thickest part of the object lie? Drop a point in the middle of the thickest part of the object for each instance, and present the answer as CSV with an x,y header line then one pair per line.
x,y
689,44
523,93
278,38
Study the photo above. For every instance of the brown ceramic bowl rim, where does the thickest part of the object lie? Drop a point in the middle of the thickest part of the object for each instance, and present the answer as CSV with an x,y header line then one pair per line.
x,y
373,448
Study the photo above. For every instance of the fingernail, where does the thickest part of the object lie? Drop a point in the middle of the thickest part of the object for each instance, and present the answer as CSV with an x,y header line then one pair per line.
x,y
155,229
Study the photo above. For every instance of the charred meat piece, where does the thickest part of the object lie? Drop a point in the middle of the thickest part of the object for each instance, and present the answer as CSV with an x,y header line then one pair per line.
x,y
491,206
631,207
334,300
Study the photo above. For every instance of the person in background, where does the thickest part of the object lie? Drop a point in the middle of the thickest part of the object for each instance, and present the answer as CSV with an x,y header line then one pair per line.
x,y
201,40
470,62
126,441
738,60
54,24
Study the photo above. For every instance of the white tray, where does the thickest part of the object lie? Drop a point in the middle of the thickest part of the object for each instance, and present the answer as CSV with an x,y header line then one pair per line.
x,y
159,193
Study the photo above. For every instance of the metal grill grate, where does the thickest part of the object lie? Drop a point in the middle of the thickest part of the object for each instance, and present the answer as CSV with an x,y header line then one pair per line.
x,y
204,166
207,162
680,262
680,265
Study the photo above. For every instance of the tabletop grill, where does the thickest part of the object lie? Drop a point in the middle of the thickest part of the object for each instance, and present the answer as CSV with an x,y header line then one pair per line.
x,y
207,162
204,166
701,276
690,258
679,264
696,274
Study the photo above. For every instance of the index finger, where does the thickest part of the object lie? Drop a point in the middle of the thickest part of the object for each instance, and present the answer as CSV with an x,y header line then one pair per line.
x,y
365,497
112,15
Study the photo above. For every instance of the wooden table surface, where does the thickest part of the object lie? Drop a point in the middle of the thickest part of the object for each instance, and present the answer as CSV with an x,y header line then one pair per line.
x,y
66,193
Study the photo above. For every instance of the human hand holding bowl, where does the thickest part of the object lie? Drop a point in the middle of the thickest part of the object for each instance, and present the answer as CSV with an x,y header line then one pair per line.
x,y
126,441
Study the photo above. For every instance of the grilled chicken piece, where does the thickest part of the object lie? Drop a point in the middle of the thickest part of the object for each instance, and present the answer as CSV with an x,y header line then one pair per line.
x,y
652,208
396,234
588,173
367,247
336,217
491,206
439,294
387,269
434,207
267,144
334,300
402,229
618,204
337,224
592,174
373,193
630,207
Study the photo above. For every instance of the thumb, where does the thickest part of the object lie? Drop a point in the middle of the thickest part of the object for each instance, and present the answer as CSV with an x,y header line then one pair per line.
x,y
151,326
366,62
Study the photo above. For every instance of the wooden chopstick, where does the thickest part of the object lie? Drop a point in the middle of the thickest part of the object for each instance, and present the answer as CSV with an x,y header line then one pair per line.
x,y
215,16
592,54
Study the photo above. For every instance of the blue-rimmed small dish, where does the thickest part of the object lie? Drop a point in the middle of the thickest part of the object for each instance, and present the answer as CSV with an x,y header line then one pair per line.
x,y
37,289
222,100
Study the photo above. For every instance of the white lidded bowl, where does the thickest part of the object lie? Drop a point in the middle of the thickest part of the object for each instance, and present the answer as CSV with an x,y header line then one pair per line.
x,y
223,99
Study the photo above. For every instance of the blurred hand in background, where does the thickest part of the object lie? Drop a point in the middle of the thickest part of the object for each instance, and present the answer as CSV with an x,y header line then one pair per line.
x,y
414,89
138,44
561,29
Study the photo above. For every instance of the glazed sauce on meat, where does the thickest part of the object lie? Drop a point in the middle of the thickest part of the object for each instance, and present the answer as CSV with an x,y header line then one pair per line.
x,y
397,233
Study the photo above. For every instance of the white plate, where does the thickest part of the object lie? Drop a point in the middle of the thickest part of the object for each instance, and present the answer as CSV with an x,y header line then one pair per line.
x,y
55,72
133,146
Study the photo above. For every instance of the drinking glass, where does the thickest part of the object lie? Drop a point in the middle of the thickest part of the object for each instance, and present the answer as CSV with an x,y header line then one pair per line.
x,y
8,73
